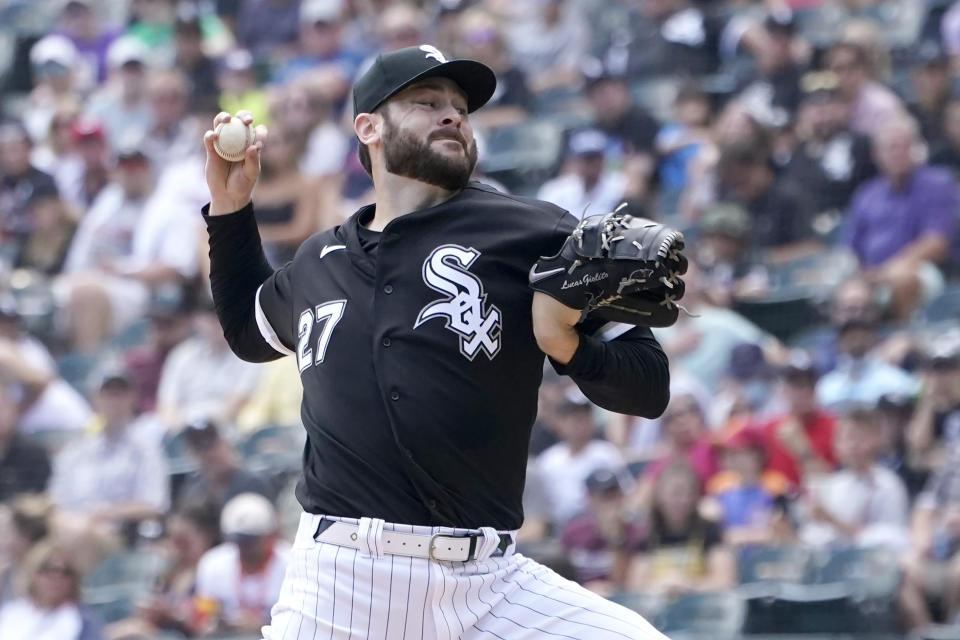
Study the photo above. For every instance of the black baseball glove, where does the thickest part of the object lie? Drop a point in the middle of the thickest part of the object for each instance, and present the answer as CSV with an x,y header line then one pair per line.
x,y
618,268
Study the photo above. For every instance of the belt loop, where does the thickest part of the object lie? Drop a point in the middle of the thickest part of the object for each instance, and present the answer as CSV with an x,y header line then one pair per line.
x,y
489,544
370,537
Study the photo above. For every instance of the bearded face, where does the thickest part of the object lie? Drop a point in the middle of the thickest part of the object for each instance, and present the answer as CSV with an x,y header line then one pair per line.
x,y
406,155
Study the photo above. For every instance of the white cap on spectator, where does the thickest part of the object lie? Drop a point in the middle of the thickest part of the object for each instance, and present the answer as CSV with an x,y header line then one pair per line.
x,y
248,514
313,11
126,49
53,48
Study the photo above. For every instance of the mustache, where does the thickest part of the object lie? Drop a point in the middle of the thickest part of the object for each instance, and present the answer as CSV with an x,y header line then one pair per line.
x,y
449,133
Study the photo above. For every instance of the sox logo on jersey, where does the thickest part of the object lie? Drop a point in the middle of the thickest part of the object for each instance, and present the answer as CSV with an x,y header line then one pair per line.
x,y
463,306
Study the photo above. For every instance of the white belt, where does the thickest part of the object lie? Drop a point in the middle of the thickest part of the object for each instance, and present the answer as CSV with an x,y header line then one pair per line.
x,y
416,545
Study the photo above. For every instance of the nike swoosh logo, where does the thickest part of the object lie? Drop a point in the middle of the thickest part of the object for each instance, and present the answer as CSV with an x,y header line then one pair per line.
x,y
330,248
536,276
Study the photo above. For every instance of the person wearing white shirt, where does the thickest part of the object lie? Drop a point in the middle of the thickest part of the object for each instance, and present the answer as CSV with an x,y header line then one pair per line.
x,y
860,378
112,477
587,184
241,578
51,609
563,468
863,504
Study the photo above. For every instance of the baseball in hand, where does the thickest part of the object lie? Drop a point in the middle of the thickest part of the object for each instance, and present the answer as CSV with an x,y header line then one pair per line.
x,y
233,138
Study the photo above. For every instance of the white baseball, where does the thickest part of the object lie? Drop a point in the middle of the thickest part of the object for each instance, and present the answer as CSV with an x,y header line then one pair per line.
x,y
233,138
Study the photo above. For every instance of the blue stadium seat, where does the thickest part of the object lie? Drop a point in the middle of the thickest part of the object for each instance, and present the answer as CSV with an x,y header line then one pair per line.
x,y
718,614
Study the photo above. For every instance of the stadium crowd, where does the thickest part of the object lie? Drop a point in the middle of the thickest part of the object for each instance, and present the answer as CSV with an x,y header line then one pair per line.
x,y
809,150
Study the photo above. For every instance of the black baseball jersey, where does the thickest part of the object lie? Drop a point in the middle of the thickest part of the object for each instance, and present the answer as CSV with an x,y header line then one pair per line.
x,y
417,355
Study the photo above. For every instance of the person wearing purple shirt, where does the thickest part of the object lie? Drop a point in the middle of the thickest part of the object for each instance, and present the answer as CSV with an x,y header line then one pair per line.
x,y
900,224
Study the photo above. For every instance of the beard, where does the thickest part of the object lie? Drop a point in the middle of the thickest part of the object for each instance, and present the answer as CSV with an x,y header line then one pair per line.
x,y
409,157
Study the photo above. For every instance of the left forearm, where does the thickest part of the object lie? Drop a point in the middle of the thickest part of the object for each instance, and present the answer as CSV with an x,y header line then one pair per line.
x,y
628,375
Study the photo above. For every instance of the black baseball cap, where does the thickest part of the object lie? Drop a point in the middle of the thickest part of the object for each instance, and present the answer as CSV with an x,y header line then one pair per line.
x,y
391,72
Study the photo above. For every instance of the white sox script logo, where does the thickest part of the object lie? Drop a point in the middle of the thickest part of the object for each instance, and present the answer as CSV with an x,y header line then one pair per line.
x,y
432,52
464,306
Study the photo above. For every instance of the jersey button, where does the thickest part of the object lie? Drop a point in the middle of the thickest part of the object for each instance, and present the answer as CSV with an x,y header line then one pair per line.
x,y
388,289
432,504
394,395
385,342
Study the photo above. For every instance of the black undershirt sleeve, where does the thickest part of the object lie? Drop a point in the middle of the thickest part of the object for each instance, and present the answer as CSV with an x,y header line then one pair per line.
x,y
629,374
238,267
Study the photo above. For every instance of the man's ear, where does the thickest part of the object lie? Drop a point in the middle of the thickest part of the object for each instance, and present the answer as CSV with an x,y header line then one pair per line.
x,y
368,127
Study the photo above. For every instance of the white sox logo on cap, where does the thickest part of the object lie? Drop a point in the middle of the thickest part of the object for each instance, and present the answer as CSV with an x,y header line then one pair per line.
x,y
432,52
464,304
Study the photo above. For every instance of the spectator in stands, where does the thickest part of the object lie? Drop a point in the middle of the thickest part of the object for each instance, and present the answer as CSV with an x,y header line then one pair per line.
x,y
19,179
685,436
894,412
870,103
51,609
239,88
775,88
780,213
287,202
79,22
169,316
402,25
931,88
98,298
863,504
830,161
110,477
601,541
934,427
240,579
121,104
680,140
564,467
853,299
28,523
24,466
481,39
275,400
320,45
548,40
53,225
752,503
45,401
152,24
190,58
268,27
860,377
932,565
722,253
55,152
701,343
191,531
630,128
52,60
219,476
587,182
799,443
682,552
202,378
668,37
900,224
91,154
172,136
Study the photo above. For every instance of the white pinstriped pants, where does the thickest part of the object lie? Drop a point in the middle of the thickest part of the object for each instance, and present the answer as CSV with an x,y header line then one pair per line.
x,y
337,593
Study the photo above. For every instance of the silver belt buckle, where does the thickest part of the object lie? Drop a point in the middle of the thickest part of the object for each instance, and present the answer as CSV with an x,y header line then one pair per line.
x,y
430,547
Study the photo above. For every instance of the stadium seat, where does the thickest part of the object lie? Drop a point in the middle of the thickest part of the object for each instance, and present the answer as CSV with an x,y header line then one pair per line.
x,y
762,570
718,614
